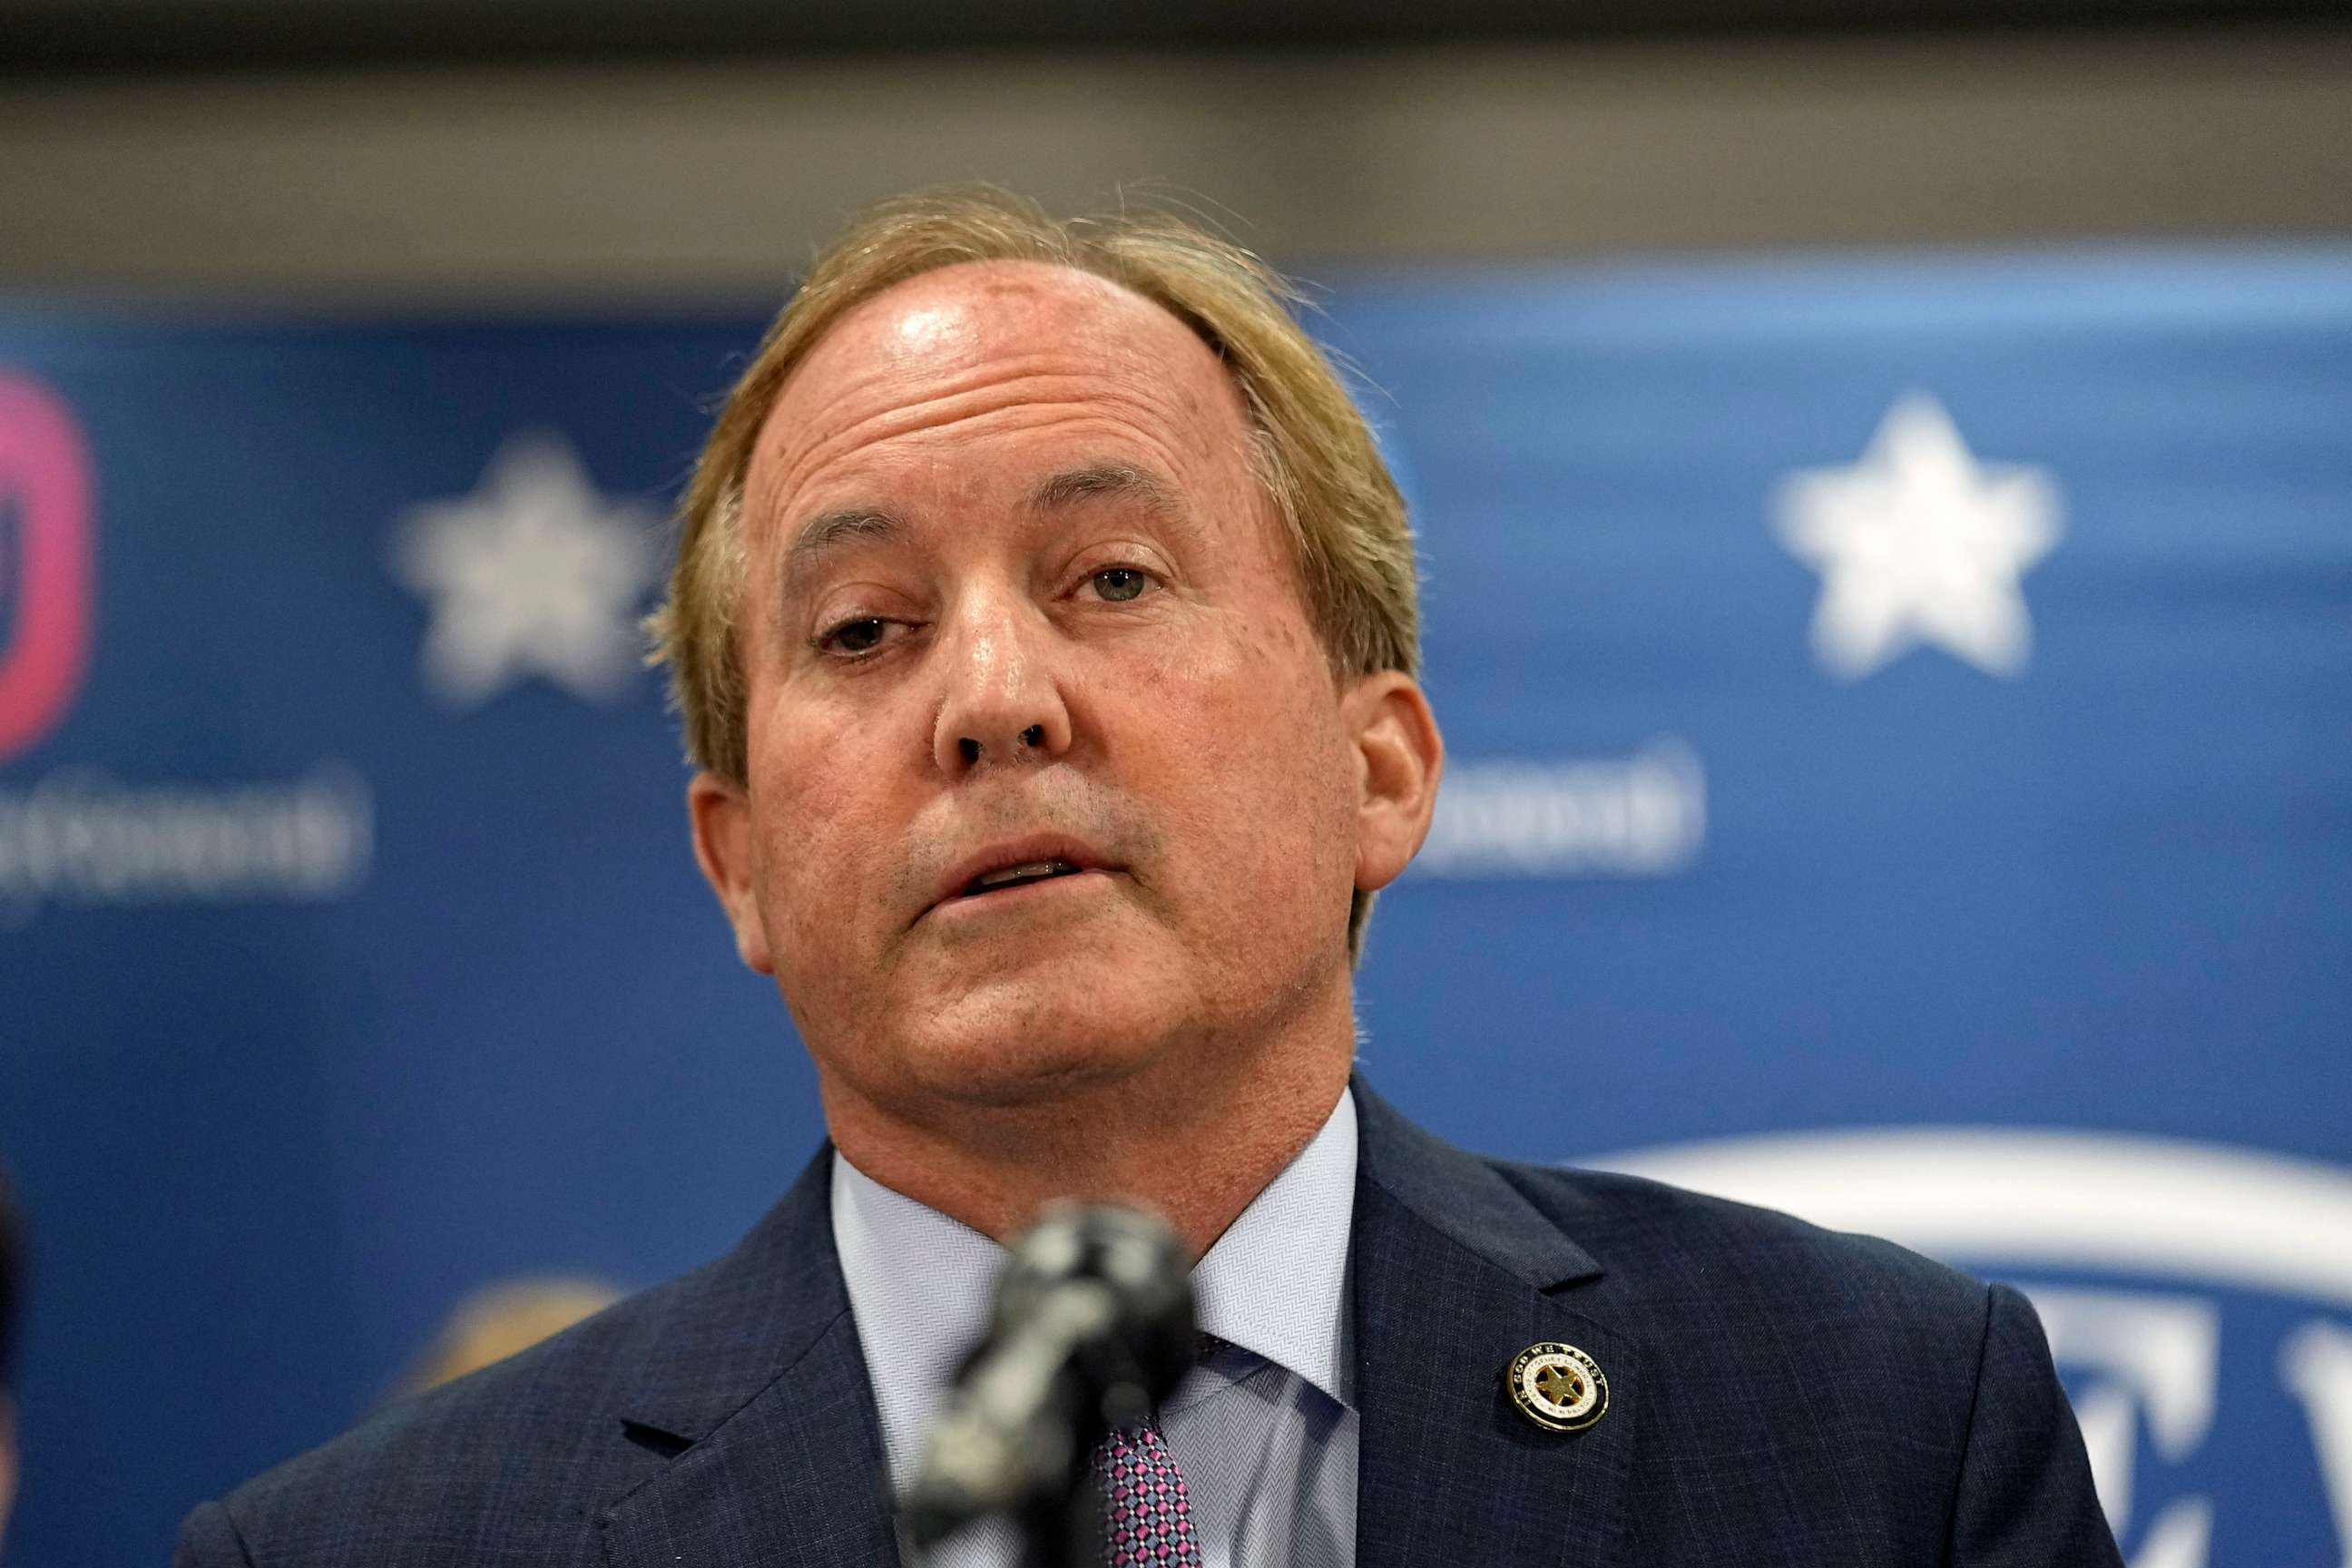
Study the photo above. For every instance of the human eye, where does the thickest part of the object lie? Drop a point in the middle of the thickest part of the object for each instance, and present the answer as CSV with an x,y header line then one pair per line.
x,y
1119,584
856,637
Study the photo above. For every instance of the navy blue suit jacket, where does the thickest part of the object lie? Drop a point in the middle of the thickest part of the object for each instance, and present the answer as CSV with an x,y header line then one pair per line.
x,y
1778,1395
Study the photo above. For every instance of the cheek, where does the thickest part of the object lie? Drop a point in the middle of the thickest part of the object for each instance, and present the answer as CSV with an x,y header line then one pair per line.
x,y
815,840
1252,729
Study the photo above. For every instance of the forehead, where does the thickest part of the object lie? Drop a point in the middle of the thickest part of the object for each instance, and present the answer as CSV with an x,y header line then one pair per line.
x,y
991,355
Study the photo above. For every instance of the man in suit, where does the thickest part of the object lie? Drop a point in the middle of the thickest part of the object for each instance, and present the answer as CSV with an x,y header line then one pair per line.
x,y
1044,623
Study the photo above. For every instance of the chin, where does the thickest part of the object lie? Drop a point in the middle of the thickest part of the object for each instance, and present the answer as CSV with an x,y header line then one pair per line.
x,y
1010,1043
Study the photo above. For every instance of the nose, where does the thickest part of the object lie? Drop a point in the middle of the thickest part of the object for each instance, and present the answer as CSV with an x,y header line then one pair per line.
x,y
1003,701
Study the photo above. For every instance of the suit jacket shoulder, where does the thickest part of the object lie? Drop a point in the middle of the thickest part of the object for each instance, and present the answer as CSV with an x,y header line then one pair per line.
x,y
1775,1393
1704,1263
523,1460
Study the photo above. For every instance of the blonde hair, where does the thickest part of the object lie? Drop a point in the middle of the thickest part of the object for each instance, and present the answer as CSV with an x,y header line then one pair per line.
x,y
1344,518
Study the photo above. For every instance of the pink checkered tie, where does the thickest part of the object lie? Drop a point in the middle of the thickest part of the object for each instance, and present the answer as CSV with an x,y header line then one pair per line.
x,y
1147,1518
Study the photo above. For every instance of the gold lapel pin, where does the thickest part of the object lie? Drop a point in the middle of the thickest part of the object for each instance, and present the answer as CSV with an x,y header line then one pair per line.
x,y
1558,1386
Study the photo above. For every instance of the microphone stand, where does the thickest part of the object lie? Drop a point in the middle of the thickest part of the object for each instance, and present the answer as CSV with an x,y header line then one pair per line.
x,y
1065,1532
1092,1321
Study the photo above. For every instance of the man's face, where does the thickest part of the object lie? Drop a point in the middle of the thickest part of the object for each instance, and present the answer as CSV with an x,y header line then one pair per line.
x,y
1015,605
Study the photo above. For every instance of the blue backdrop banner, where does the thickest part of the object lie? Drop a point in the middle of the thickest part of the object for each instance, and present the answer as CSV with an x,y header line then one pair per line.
x,y
1900,714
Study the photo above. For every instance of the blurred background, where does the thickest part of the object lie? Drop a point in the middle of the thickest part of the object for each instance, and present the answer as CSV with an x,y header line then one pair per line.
x,y
1884,478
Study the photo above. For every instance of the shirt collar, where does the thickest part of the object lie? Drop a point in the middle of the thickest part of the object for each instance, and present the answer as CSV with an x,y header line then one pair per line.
x,y
918,1285
1275,1283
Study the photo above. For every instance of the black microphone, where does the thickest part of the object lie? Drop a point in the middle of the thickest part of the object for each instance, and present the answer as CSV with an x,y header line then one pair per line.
x,y
1092,1327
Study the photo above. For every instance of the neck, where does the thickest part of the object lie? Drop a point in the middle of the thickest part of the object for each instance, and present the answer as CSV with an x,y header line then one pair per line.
x,y
1195,1148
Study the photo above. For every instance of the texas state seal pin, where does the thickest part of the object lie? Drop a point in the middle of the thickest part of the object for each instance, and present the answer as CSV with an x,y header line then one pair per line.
x,y
1558,1386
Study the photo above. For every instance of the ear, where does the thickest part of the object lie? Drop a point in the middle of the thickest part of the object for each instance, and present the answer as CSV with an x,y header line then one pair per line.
x,y
721,817
1399,758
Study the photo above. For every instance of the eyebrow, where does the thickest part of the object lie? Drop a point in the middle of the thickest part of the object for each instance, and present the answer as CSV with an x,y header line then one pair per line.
x,y
1098,481
1119,481
829,531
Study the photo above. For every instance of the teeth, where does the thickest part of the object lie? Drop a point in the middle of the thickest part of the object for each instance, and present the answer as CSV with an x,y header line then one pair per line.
x,y
1022,873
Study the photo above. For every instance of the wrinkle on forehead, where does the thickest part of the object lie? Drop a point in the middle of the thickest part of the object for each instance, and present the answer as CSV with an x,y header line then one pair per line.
x,y
989,405
1015,339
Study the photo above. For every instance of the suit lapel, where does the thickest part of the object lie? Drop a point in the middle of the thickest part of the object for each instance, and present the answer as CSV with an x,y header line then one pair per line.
x,y
1454,1273
758,1389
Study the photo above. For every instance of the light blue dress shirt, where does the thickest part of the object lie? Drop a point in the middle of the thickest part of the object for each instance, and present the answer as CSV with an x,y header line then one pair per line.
x,y
1265,1432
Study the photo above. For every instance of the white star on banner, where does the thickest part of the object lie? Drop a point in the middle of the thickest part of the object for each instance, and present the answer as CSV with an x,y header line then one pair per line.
x,y
1919,543
535,574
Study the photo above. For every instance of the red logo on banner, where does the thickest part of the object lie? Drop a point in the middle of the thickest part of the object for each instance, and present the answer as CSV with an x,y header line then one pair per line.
x,y
44,561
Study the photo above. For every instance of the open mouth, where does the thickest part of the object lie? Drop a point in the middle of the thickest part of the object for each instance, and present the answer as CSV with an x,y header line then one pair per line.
x,y
1019,875
996,874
